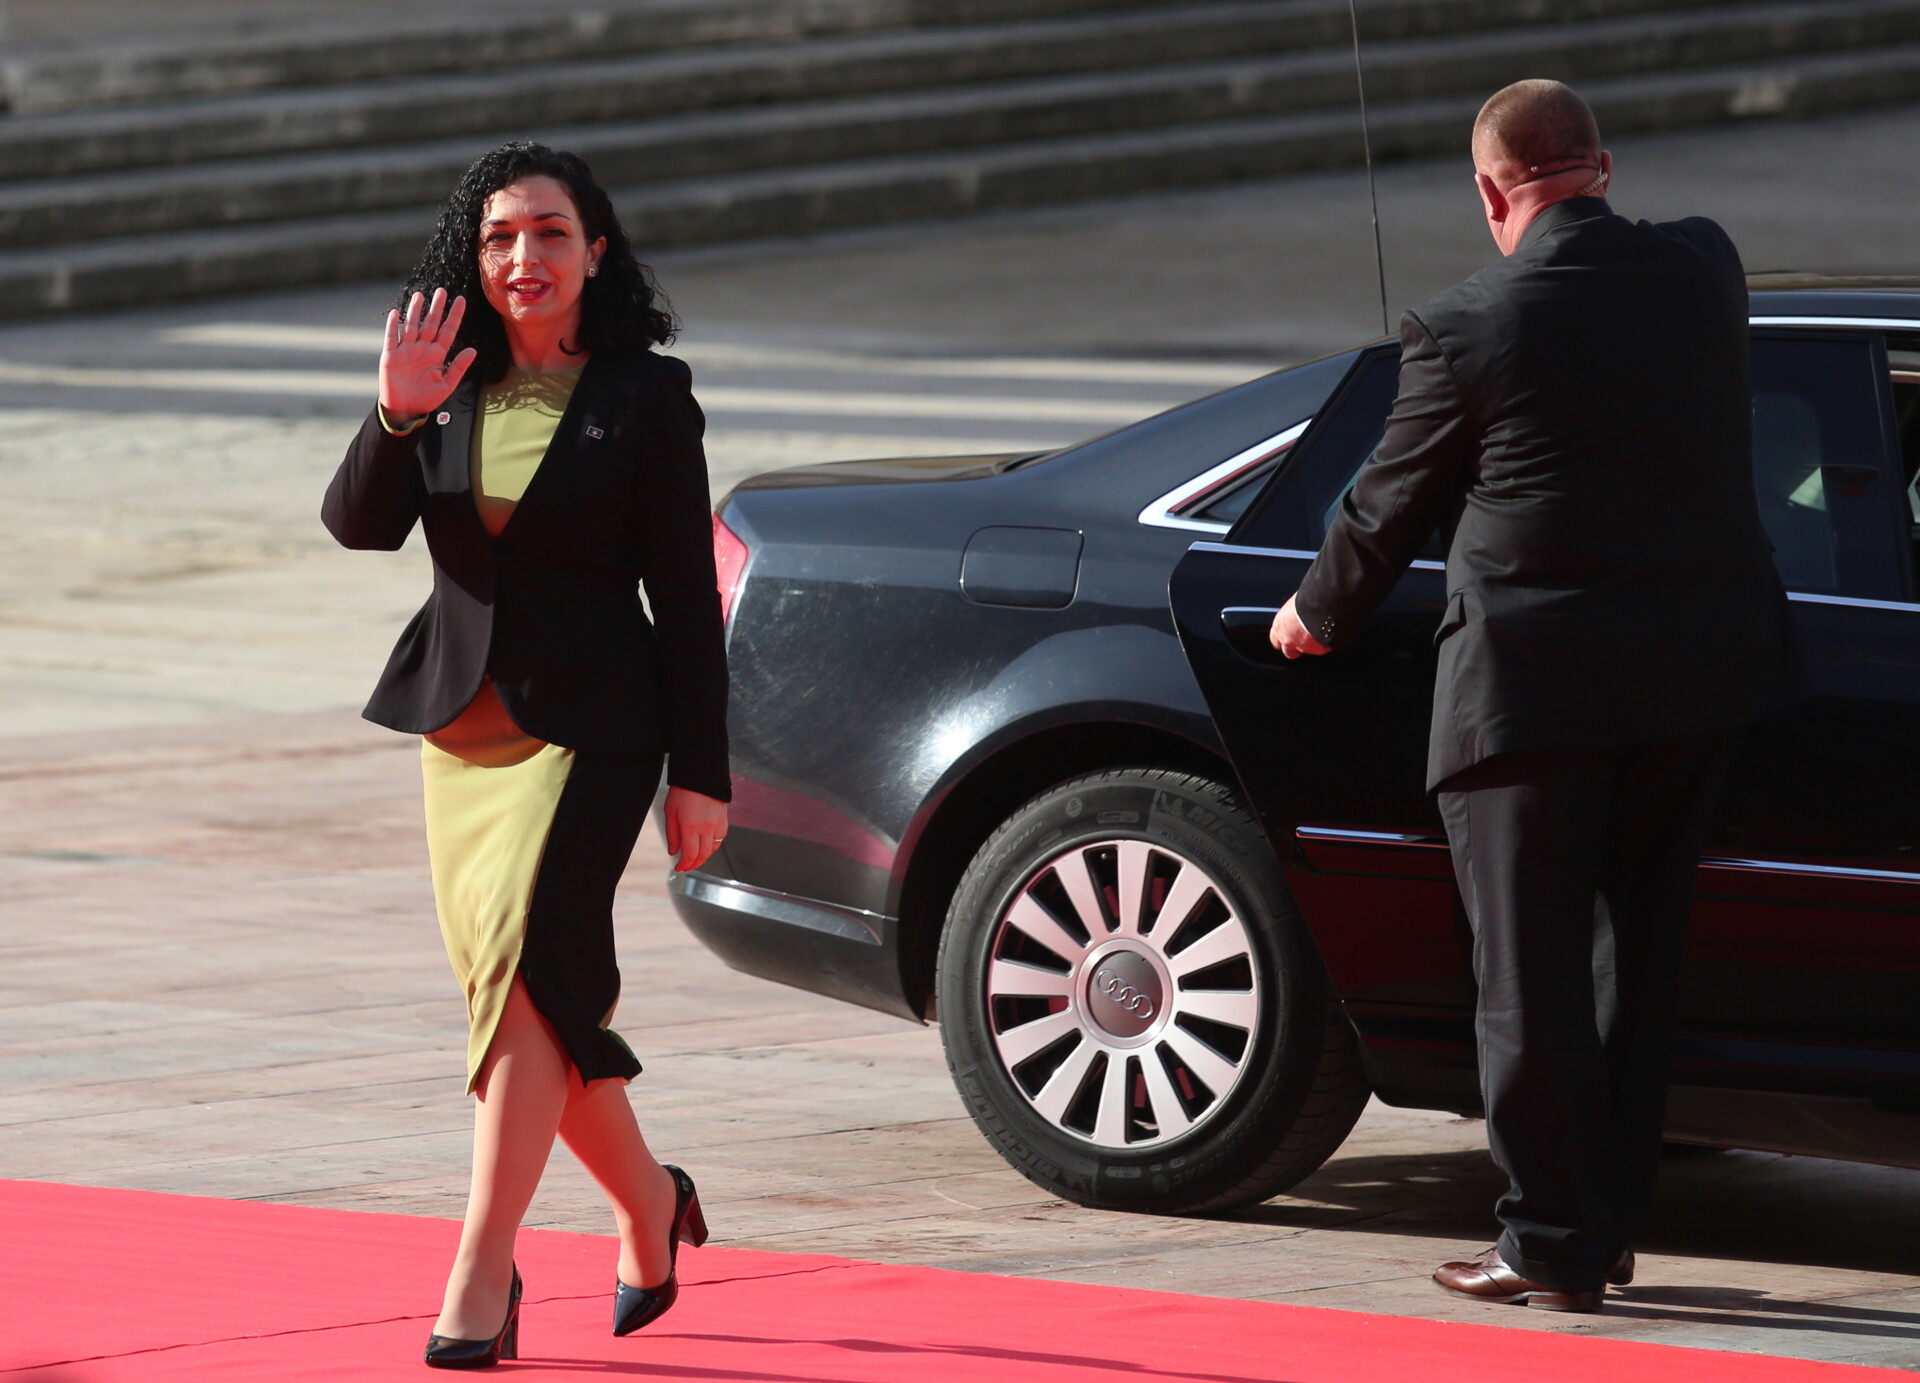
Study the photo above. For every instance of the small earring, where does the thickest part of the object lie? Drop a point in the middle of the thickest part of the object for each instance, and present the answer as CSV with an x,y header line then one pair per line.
x,y
592,272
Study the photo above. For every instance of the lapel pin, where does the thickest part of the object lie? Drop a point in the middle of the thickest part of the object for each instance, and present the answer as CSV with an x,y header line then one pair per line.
x,y
443,418
595,432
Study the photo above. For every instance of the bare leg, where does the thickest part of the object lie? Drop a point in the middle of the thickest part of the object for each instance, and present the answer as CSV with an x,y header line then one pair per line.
x,y
522,1093
600,1129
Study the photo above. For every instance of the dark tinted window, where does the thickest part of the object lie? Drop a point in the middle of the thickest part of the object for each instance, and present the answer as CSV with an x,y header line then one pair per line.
x,y
1232,502
1294,511
1228,499
1821,469
1904,364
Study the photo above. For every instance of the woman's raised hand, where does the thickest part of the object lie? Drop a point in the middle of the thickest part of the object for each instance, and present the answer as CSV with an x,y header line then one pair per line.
x,y
415,374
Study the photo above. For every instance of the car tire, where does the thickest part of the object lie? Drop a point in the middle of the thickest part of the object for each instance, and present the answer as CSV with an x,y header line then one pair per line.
x,y
1133,1010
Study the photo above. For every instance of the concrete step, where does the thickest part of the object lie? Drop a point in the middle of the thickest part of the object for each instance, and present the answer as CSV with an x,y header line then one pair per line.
x,y
784,202
62,77
872,191
232,192
536,95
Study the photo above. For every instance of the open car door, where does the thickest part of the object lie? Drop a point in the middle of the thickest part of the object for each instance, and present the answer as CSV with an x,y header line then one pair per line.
x,y
1331,752
1805,943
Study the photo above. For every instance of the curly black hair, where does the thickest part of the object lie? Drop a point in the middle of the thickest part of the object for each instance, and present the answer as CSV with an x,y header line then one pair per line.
x,y
621,306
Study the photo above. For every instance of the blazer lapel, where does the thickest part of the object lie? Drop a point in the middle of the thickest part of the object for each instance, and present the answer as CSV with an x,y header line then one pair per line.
x,y
454,531
454,474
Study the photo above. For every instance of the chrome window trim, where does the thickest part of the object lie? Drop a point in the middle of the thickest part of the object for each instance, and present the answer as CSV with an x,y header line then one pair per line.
x,y
1159,513
1427,564
1857,602
1863,323
1366,837
1823,871
1298,554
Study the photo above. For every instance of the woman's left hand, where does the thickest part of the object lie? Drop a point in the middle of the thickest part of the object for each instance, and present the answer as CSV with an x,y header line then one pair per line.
x,y
696,824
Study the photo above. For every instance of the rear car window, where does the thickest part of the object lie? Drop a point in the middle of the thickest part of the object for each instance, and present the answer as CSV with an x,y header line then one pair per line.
x,y
1820,461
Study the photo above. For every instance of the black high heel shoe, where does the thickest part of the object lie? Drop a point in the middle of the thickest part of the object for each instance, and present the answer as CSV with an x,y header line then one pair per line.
x,y
447,1352
634,1307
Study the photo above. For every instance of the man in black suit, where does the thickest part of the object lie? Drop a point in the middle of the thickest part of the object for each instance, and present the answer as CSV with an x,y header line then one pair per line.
x,y
1577,418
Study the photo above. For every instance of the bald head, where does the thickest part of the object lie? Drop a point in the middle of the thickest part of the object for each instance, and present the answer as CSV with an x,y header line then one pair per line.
x,y
1532,129
1535,143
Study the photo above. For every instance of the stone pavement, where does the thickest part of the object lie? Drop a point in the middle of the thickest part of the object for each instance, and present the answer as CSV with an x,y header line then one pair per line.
x,y
218,967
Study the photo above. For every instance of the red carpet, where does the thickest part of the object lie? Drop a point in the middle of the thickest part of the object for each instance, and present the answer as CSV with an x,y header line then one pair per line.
x,y
277,1294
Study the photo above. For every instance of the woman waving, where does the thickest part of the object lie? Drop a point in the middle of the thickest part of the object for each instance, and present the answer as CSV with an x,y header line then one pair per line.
x,y
554,461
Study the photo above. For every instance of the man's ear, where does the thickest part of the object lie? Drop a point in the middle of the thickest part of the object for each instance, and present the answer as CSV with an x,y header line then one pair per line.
x,y
1606,171
1497,206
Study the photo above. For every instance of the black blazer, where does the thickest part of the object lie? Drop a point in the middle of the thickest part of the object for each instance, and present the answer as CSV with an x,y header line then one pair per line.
x,y
551,608
1579,415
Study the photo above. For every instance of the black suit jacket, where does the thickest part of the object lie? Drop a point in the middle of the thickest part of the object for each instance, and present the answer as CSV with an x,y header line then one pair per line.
x,y
551,608
1579,414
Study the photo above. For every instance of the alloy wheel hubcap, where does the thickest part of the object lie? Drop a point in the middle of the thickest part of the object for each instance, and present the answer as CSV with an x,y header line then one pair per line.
x,y
1123,993
1126,992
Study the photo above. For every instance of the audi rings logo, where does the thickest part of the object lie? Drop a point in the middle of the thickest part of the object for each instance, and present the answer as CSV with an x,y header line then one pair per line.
x,y
1124,994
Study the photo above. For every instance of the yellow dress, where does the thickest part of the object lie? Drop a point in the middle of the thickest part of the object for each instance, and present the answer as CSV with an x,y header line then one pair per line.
x,y
493,795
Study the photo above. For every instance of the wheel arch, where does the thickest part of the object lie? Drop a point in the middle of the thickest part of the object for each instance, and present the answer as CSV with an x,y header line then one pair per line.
x,y
987,791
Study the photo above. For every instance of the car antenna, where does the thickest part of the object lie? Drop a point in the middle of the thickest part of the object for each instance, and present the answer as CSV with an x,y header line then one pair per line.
x,y
1366,147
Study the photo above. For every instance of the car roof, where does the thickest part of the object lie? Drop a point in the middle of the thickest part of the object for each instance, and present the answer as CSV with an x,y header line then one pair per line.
x,y
1891,296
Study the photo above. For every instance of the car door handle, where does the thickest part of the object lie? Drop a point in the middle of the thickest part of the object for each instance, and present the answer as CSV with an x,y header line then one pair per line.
x,y
1248,627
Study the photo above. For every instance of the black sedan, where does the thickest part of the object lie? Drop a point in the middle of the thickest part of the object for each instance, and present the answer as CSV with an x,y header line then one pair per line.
x,y
986,772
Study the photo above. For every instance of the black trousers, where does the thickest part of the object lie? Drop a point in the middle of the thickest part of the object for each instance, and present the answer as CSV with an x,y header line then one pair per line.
x,y
1577,867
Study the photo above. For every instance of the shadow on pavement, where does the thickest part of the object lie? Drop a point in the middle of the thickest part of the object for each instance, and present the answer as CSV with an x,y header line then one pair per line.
x,y
1745,1306
1735,1206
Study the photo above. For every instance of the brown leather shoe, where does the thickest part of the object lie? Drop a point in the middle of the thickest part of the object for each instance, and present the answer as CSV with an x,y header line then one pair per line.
x,y
1487,1278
